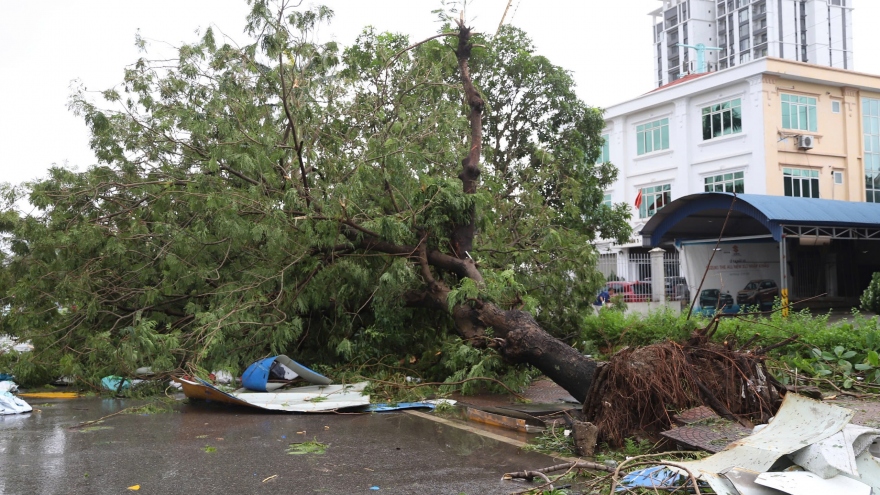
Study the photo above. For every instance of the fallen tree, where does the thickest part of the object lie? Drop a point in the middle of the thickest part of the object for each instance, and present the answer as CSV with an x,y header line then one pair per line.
x,y
290,196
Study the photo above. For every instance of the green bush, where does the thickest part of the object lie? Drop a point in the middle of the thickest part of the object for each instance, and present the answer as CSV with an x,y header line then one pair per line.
x,y
610,330
871,297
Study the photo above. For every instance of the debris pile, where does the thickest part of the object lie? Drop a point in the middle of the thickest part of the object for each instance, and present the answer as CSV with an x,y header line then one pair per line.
x,y
10,404
264,387
809,447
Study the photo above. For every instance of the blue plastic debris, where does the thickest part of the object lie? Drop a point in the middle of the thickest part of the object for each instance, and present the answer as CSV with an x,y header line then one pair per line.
x,y
374,488
652,477
256,377
115,383
398,406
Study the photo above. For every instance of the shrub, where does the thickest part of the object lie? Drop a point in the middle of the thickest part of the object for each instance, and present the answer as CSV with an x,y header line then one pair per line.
x,y
871,297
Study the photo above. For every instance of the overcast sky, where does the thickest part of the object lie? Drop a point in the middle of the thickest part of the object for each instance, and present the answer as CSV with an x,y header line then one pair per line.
x,y
46,45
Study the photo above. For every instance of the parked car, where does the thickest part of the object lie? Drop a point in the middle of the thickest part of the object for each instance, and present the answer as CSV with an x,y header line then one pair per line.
x,y
675,288
714,298
631,291
758,293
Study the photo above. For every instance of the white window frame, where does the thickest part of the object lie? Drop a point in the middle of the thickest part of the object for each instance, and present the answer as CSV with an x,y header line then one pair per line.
x,y
802,114
797,181
650,195
871,158
723,109
605,154
649,133
727,182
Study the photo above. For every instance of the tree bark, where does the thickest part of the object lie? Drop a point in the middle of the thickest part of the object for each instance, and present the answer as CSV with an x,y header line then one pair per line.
x,y
521,339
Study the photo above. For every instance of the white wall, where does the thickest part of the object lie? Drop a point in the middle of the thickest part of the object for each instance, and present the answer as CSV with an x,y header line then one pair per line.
x,y
689,159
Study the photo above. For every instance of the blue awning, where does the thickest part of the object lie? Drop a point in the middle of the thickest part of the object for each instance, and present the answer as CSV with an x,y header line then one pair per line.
x,y
702,215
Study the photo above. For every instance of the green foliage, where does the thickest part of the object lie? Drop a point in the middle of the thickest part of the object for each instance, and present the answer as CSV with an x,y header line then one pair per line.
x,y
463,361
224,219
552,441
871,297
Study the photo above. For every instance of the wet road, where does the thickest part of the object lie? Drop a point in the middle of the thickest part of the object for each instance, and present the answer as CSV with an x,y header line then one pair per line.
x,y
210,448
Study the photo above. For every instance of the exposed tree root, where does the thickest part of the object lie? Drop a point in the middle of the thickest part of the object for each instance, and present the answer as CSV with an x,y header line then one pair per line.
x,y
639,390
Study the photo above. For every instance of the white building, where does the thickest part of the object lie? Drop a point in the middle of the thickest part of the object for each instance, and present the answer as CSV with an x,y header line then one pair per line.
x,y
812,31
769,127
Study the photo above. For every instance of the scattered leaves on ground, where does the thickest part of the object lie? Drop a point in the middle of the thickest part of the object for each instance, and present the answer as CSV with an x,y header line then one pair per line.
x,y
301,448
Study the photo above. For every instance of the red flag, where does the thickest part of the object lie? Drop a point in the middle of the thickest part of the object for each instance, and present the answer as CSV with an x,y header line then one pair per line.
x,y
639,199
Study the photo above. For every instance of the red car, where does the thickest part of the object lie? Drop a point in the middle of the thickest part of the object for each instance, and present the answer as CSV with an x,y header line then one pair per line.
x,y
631,291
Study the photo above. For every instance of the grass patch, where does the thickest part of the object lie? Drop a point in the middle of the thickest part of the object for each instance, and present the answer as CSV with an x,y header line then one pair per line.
x,y
209,449
303,448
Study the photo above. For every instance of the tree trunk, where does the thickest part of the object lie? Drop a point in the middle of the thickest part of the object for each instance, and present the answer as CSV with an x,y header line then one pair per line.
x,y
521,339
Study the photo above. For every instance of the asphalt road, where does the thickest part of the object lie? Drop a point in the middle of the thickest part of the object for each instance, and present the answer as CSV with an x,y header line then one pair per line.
x,y
213,449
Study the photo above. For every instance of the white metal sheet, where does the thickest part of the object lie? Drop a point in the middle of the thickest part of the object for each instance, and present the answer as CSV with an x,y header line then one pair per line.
x,y
800,422
806,483
837,453
719,484
869,470
308,399
744,483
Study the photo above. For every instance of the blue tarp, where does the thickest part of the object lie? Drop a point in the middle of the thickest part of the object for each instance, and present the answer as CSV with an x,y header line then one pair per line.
x,y
256,377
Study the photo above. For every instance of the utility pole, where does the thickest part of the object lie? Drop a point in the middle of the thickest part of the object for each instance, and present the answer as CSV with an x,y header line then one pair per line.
x,y
509,3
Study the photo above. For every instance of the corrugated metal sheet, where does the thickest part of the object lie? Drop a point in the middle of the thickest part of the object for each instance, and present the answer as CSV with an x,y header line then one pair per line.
x,y
822,212
314,398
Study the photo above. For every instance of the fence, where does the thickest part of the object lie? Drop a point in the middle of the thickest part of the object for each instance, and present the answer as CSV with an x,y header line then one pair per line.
x,y
633,267
636,267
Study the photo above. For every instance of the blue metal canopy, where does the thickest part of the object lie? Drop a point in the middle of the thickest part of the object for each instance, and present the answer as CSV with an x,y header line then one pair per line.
x,y
702,215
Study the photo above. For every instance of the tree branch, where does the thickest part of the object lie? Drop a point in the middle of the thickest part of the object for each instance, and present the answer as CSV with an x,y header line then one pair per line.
x,y
463,235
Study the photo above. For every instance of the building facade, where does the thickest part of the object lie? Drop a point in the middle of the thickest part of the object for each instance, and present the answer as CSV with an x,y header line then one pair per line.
x,y
738,31
770,127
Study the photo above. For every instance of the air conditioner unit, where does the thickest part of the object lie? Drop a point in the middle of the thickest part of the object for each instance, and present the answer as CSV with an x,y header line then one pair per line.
x,y
805,142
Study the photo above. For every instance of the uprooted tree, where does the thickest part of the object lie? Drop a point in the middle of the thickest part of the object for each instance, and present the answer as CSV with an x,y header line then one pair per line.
x,y
291,196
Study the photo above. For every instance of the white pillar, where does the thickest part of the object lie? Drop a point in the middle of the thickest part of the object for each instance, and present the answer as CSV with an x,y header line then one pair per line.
x,y
658,275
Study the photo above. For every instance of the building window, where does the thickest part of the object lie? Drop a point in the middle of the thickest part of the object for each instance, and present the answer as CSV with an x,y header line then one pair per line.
x,y
835,107
871,128
799,112
651,199
606,200
838,178
732,183
653,136
604,157
722,119
801,183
